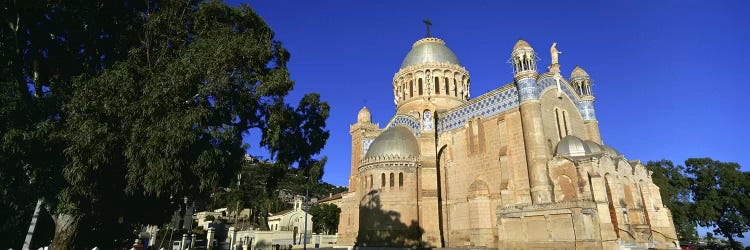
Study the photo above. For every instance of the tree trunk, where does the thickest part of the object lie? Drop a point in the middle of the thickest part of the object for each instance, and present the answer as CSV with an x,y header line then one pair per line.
x,y
66,230
731,241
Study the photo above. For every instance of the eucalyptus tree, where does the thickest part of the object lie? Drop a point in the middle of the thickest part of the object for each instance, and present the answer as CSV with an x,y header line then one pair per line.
x,y
147,101
44,46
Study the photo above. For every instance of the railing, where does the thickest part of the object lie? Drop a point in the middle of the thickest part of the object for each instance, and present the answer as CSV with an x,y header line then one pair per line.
x,y
329,239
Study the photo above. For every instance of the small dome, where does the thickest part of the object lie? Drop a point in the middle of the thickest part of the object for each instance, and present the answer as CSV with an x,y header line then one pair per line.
x,y
594,147
396,141
429,50
572,146
611,151
521,44
364,116
578,72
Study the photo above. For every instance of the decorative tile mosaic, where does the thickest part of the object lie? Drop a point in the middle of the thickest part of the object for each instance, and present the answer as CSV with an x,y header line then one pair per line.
x,y
407,121
587,111
527,89
366,145
485,106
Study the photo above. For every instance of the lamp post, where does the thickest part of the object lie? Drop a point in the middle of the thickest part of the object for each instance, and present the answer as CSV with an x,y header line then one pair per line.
x,y
304,237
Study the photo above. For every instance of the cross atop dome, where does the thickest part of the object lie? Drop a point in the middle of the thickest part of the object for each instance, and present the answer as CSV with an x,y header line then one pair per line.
x,y
427,23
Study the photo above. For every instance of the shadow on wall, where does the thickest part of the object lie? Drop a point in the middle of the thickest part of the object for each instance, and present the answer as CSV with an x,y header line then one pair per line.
x,y
379,228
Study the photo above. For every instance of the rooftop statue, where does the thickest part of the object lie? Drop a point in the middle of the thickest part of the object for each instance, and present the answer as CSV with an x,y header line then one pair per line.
x,y
553,52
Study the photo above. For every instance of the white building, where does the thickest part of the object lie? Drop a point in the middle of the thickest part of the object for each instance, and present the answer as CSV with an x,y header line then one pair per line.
x,y
291,220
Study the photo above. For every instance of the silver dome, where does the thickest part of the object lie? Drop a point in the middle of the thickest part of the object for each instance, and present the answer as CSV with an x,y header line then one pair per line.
x,y
611,151
594,147
429,50
572,146
396,141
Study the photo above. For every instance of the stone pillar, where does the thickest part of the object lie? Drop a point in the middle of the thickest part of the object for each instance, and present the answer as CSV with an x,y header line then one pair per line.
x,y
231,237
210,239
533,138
183,243
246,244
427,188
154,231
192,241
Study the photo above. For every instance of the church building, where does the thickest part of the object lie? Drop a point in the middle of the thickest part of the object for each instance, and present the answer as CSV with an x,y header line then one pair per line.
x,y
522,166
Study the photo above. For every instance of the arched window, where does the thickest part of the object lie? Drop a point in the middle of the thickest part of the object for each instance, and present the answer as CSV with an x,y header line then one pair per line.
x,y
370,181
455,88
392,182
400,179
557,119
411,88
382,179
565,122
420,86
447,90
437,85
470,135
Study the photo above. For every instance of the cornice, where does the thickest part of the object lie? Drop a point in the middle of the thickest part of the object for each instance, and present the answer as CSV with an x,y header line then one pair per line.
x,y
423,66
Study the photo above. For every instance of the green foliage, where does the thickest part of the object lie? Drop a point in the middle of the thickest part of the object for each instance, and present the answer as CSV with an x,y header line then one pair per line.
x,y
44,45
134,104
253,188
705,192
325,218
258,184
675,194
721,195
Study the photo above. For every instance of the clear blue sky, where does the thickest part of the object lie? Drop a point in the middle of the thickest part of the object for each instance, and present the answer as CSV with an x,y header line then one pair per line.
x,y
667,74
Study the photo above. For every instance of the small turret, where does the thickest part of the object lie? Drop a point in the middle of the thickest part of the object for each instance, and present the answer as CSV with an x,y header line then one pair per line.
x,y
364,116
524,60
581,82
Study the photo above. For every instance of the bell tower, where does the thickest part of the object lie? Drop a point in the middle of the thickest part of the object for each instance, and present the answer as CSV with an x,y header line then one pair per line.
x,y
363,133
